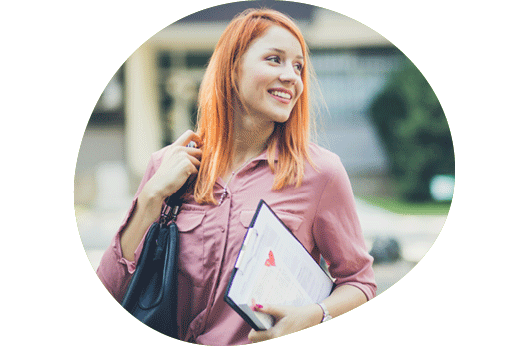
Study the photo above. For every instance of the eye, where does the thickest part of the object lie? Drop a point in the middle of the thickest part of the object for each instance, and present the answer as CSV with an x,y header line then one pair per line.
x,y
298,67
274,59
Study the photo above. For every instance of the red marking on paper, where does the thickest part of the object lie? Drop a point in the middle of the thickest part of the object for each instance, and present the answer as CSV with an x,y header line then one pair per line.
x,y
271,260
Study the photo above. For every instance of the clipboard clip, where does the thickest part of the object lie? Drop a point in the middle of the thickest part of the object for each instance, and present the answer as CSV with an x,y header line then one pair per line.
x,y
246,249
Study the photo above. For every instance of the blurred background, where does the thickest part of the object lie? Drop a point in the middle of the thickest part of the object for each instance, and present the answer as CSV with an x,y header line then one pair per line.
x,y
380,116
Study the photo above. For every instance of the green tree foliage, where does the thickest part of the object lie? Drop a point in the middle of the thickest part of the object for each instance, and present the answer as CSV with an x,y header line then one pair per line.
x,y
414,131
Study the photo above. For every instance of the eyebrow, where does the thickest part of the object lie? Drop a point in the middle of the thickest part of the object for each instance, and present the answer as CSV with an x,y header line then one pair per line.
x,y
278,50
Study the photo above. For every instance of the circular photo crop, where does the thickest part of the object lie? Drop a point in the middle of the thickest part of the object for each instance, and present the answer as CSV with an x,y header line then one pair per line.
x,y
258,168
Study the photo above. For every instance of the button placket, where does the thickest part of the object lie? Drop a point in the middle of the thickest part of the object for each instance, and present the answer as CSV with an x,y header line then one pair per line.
x,y
225,214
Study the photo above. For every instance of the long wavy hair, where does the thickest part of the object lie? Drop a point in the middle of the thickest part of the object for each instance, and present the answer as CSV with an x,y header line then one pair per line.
x,y
216,107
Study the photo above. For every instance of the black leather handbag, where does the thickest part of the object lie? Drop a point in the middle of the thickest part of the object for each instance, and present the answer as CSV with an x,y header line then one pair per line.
x,y
152,294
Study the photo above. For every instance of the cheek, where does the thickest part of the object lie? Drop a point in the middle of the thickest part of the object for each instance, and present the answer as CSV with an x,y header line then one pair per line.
x,y
258,74
252,82
258,78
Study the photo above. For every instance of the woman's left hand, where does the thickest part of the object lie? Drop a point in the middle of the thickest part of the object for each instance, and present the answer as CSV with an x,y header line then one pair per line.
x,y
288,319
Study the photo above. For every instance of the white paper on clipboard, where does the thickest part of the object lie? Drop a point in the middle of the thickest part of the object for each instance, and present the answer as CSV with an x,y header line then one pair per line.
x,y
273,268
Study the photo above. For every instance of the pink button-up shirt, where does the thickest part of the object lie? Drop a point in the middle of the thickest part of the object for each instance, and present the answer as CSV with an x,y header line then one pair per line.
x,y
321,214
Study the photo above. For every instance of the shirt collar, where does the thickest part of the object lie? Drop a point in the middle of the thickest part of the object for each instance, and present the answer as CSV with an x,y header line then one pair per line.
x,y
264,155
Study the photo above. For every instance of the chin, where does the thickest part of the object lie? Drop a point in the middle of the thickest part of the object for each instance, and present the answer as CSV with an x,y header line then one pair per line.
x,y
280,118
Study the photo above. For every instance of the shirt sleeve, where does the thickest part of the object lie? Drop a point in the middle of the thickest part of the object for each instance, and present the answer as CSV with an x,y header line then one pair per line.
x,y
114,271
338,236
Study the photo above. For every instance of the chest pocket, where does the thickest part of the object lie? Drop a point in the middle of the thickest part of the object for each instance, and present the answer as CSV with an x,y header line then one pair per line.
x,y
191,245
292,221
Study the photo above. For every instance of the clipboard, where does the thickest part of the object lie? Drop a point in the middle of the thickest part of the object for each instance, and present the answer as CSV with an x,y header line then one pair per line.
x,y
273,267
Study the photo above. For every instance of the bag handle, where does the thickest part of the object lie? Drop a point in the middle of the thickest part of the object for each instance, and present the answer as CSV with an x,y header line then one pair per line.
x,y
173,203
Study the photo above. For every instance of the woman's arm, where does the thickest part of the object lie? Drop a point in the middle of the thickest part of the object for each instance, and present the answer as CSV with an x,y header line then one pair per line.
x,y
178,163
337,233
343,299
292,319
147,210
165,174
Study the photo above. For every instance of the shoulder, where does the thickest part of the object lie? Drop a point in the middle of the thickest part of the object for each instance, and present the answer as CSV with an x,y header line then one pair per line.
x,y
327,163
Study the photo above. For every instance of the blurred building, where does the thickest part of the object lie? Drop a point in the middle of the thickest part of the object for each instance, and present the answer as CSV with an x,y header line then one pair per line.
x,y
151,100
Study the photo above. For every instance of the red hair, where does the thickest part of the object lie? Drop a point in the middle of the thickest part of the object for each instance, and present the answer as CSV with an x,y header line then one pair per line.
x,y
215,111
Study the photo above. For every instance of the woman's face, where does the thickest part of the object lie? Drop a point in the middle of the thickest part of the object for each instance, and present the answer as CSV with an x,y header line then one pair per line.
x,y
270,75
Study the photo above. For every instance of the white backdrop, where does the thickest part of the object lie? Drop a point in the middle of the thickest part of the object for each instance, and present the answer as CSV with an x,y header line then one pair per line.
x,y
462,293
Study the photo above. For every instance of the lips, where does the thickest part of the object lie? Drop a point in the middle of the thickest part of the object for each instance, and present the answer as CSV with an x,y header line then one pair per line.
x,y
281,93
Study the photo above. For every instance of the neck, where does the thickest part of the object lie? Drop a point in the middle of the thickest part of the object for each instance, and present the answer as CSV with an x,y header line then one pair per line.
x,y
250,138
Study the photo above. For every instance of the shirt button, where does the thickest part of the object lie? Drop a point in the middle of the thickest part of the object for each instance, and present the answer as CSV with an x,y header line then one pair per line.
x,y
222,229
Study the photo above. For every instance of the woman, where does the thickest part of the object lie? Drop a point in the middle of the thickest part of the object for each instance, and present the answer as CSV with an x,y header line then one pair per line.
x,y
252,143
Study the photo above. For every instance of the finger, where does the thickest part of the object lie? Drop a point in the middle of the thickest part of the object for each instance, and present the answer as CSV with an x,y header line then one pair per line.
x,y
258,336
195,162
189,169
194,152
183,140
188,164
275,311
194,155
177,155
187,137
194,169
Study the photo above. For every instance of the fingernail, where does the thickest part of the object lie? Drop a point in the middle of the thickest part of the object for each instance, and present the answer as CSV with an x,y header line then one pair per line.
x,y
259,306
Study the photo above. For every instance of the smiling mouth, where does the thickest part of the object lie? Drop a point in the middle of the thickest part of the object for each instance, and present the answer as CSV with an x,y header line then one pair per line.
x,y
281,94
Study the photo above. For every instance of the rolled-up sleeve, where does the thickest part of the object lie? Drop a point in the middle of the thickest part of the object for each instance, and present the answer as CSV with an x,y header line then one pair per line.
x,y
337,233
114,271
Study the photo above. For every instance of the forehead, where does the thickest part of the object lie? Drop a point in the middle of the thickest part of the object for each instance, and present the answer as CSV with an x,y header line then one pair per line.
x,y
279,39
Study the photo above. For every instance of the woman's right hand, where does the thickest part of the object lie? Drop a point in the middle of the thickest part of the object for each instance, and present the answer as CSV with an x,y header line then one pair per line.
x,y
178,164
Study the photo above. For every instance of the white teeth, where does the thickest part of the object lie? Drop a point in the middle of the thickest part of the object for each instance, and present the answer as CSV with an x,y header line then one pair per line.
x,y
281,94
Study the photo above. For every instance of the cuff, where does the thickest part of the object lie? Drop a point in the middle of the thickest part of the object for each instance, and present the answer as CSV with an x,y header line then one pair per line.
x,y
116,242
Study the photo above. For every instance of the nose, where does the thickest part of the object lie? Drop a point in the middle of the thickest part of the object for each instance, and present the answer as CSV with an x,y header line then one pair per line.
x,y
289,75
